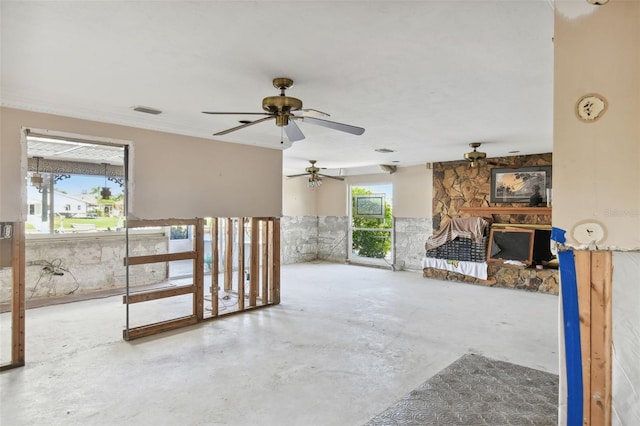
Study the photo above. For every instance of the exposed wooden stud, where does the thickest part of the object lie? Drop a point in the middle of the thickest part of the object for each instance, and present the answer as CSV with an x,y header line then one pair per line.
x,y
270,259
158,294
158,258
276,261
159,327
144,223
19,282
601,278
15,257
214,266
241,265
198,270
228,256
264,268
583,279
254,262
264,246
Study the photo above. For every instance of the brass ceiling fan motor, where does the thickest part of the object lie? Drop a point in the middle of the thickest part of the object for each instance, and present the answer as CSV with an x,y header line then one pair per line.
x,y
281,105
474,156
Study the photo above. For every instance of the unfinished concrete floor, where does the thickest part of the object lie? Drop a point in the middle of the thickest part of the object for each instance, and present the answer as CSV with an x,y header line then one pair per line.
x,y
345,344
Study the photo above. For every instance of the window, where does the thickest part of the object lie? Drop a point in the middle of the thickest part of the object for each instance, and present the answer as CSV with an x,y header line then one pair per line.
x,y
74,203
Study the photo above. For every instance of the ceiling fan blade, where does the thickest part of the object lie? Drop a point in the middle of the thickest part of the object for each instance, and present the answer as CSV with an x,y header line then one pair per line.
x,y
333,125
236,113
309,112
301,174
293,132
242,126
330,177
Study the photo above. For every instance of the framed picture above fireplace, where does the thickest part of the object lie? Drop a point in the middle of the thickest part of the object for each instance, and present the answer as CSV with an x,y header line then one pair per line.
x,y
518,185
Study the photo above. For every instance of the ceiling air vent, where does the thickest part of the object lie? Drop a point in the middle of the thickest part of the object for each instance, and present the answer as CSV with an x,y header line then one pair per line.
x,y
147,110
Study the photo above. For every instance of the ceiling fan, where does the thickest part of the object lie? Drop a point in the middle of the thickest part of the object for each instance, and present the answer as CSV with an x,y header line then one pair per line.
x,y
285,110
474,157
314,175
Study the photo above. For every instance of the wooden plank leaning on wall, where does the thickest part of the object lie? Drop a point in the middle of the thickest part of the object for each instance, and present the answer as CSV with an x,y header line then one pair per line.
x,y
594,273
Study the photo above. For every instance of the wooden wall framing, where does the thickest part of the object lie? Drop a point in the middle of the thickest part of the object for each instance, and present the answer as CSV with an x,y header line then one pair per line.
x,y
594,274
15,244
262,269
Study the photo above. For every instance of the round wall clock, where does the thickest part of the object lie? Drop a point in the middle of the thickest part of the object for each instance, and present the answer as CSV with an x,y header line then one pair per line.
x,y
591,107
589,231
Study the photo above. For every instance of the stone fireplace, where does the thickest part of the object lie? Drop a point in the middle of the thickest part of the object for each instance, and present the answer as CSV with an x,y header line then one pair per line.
x,y
460,191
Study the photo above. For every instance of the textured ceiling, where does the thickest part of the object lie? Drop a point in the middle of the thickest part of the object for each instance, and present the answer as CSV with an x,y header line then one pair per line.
x,y
424,78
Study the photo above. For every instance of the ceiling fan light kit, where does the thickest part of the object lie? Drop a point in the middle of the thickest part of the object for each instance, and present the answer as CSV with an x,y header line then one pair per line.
x,y
315,178
388,168
314,182
284,110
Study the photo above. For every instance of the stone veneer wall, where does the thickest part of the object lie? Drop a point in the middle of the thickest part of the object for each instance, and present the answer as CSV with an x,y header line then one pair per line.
x,y
543,281
457,185
94,260
307,238
333,238
410,237
298,239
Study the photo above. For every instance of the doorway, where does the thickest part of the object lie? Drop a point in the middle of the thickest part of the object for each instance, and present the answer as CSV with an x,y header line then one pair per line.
x,y
371,224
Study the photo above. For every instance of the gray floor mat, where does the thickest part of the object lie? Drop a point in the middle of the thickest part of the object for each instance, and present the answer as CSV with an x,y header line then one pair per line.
x,y
475,390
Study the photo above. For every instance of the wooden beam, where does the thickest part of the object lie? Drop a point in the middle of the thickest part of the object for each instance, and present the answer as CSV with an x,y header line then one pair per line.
x,y
157,258
583,279
270,260
18,290
145,223
198,270
228,259
158,294
214,266
601,278
159,327
276,261
254,260
241,263
506,210
265,261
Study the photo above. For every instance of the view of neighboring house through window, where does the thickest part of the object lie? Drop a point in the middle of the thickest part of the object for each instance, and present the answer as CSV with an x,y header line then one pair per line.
x,y
73,186
75,204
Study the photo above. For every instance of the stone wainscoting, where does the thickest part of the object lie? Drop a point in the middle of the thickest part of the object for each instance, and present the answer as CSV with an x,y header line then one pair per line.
x,y
89,262
410,236
539,280
307,238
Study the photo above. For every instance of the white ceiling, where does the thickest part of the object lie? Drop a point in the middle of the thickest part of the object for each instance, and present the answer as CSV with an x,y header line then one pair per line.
x,y
424,78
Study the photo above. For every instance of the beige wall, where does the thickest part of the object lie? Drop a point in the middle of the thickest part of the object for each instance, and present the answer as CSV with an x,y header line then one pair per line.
x,y
297,198
596,165
173,176
412,193
332,198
